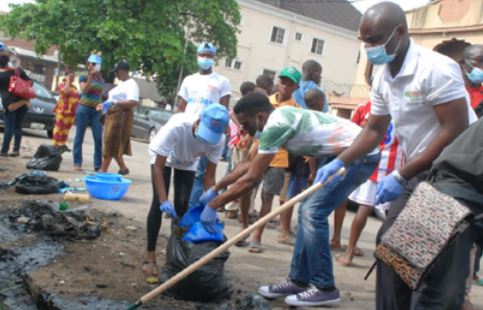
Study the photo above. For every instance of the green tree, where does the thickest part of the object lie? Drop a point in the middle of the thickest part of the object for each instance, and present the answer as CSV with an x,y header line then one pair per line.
x,y
149,34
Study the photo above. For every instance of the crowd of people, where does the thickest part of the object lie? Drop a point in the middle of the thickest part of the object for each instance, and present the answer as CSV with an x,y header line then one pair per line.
x,y
419,125
283,138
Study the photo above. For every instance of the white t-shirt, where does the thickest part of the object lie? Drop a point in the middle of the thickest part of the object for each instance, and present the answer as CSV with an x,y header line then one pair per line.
x,y
425,80
200,90
176,141
125,90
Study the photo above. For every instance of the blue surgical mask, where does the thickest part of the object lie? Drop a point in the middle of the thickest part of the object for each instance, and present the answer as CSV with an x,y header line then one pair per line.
x,y
378,55
475,76
205,63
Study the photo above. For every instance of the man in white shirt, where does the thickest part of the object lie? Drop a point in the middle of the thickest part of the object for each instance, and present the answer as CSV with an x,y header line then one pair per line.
x,y
178,146
198,91
205,86
423,93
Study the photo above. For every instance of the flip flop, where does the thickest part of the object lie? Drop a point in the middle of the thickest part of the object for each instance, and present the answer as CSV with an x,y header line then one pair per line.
x,y
255,247
338,258
290,240
242,243
150,269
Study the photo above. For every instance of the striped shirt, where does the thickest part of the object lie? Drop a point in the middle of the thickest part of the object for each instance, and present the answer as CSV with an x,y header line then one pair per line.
x,y
92,97
391,153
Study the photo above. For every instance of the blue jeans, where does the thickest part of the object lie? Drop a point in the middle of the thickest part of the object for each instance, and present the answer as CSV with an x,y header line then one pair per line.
x,y
312,260
13,128
86,116
197,189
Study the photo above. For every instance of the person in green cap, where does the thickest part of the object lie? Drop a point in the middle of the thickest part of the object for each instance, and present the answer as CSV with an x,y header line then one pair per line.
x,y
276,178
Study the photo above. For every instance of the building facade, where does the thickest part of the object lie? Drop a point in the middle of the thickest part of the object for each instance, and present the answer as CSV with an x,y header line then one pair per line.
x,y
277,34
446,26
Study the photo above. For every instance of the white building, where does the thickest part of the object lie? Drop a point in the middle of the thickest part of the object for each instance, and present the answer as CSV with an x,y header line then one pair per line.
x,y
278,33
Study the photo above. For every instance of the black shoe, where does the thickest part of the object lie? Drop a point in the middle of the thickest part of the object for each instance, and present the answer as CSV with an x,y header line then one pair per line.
x,y
14,154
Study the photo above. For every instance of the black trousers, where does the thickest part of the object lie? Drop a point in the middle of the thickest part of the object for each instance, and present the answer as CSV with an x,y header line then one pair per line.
x,y
183,182
444,286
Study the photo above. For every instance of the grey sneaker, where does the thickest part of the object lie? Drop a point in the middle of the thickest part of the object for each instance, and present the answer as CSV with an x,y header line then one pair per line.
x,y
314,297
284,288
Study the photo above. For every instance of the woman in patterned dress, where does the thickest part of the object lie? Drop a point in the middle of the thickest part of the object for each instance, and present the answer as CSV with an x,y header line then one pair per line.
x,y
65,110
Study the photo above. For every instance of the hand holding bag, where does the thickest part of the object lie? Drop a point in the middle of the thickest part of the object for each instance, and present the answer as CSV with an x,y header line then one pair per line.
x,y
20,87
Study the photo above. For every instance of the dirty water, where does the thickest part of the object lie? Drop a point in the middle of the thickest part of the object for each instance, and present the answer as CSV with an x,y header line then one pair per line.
x,y
21,253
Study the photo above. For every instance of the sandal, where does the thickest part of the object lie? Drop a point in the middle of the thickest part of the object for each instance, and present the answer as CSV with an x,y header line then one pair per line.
x,y
289,240
255,247
123,171
150,268
241,243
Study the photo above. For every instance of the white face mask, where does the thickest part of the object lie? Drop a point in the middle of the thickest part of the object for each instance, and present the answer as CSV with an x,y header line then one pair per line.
x,y
258,133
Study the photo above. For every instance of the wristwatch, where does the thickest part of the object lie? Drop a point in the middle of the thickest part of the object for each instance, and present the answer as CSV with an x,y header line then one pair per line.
x,y
399,178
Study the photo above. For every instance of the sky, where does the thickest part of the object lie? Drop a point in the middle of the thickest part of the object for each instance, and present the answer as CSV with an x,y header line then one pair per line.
x,y
361,5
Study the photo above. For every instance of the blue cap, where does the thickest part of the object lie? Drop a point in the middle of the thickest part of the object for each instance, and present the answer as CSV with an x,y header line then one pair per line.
x,y
3,47
213,122
206,47
95,59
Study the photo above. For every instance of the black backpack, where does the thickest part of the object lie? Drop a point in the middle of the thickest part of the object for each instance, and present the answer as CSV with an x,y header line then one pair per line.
x,y
47,157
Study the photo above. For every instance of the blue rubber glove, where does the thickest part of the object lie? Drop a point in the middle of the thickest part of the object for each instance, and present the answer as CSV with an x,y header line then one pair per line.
x,y
388,189
106,105
167,207
209,218
328,170
208,196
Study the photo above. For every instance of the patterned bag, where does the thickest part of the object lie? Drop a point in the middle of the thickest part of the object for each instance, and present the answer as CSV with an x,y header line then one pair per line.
x,y
427,223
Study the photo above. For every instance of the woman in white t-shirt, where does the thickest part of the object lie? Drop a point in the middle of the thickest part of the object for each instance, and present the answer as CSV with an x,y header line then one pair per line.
x,y
119,119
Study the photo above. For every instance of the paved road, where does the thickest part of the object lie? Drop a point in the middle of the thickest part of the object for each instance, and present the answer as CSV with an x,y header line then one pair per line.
x,y
251,269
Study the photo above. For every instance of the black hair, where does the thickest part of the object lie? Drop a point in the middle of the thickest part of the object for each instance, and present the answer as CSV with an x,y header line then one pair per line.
x,y
264,81
247,87
253,103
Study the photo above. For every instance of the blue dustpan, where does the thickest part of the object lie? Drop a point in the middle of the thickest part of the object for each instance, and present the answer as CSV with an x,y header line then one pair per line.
x,y
198,234
192,216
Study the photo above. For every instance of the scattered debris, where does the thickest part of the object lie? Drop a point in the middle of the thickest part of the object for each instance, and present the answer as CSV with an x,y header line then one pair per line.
x,y
41,215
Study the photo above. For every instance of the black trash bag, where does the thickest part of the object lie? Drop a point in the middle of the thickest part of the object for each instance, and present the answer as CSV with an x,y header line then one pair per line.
x,y
208,283
36,182
47,157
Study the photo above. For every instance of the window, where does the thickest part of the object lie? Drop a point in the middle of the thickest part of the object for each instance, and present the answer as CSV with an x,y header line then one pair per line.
x,y
277,35
298,36
270,73
237,65
317,46
233,64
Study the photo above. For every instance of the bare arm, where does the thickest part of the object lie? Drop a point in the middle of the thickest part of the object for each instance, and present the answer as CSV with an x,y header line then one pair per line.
x,y
181,104
85,87
209,178
367,140
453,117
313,169
248,181
234,175
158,168
225,100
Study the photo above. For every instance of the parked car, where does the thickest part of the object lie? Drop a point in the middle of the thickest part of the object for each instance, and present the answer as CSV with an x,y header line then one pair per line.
x,y
147,122
39,115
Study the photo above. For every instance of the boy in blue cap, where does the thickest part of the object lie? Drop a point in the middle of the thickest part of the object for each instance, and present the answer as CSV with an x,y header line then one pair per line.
x,y
198,91
178,146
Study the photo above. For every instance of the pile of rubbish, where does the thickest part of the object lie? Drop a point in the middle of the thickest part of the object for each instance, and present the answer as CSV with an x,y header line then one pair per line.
x,y
50,218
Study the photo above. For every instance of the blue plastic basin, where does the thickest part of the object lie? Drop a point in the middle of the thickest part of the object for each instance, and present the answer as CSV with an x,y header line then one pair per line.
x,y
106,187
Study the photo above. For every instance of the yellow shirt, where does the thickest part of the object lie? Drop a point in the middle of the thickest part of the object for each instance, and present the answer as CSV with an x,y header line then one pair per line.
x,y
281,158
